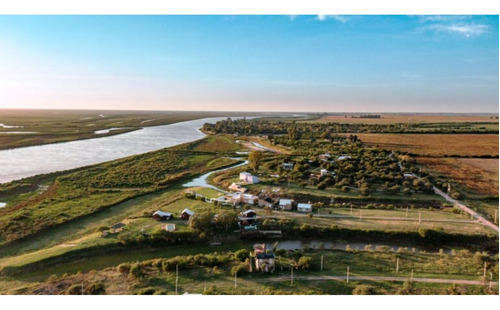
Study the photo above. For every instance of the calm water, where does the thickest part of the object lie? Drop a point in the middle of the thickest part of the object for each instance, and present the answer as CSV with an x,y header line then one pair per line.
x,y
202,180
29,161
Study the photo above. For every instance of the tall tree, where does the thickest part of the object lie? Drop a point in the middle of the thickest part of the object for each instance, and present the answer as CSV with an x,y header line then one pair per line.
x,y
255,159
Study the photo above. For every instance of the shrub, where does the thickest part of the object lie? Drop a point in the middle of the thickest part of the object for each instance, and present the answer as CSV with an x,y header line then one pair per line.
x,y
135,271
147,291
242,254
305,262
75,289
239,269
96,289
363,289
124,268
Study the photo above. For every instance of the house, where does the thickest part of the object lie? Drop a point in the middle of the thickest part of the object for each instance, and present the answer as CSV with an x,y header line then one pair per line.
x,y
286,204
186,214
116,228
325,157
248,178
169,227
323,172
237,188
238,198
409,176
163,216
343,157
266,202
264,260
248,213
287,166
304,207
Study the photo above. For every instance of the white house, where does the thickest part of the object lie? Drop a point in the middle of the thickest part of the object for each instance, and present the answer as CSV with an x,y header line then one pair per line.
x,y
286,204
324,172
304,207
237,188
248,178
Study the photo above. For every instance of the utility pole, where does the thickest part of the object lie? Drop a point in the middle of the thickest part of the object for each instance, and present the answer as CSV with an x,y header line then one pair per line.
x,y
321,262
251,269
397,264
291,275
411,276
176,277
406,211
420,216
347,278
235,279
484,273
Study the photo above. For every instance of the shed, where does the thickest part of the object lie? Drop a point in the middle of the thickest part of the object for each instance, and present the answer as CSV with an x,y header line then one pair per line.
x,y
160,215
286,204
304,207
186,214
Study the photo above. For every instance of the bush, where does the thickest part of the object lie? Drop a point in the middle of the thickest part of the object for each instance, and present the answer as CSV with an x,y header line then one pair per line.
x,y
135,271
305,262
364,289
242,254
124,268
239,269
96,289
75,289
147,291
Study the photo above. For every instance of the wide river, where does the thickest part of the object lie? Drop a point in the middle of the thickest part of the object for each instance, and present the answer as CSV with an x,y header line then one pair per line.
x,y
29,161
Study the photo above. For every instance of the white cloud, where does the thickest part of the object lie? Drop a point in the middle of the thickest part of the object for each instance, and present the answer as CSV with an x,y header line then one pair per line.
x,y
339,18
442,18
463,29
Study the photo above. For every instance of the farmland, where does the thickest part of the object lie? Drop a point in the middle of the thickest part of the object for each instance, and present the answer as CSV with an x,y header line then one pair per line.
x,y
436,145
408,118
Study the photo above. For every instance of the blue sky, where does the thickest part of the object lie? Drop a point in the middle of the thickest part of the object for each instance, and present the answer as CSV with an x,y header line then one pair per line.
x,y
253,63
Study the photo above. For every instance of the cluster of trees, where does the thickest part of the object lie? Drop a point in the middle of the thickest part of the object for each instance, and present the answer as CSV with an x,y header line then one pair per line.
x,y
327,130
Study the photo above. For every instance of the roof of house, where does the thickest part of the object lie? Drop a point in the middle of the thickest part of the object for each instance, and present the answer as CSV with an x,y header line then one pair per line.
x,y
248,212
265,255
117,225
245,173
187,211
161,213
285,201
304,206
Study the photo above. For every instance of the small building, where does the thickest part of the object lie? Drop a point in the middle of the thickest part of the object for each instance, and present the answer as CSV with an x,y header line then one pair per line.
x,y
186,214
286,204
248,178
344,157
116,228
275,175
266,202
237,188
304,207
162,216
169,227
325,157
288,166
409,176
323,172
248,214
264,260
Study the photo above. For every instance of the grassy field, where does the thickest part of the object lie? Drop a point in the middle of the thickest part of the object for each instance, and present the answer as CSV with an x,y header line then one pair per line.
x,y
436,144
408,118
202,279
477,174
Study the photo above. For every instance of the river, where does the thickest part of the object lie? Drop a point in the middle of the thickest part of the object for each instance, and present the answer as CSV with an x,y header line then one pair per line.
x,y
33,160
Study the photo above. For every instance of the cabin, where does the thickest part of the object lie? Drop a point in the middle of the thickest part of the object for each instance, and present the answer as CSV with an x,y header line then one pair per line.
x,y
162,216
287,166
248,213
169,227
116,228
264,260
286,204
186,214
325,157
237,188
248,178
304,207
266,202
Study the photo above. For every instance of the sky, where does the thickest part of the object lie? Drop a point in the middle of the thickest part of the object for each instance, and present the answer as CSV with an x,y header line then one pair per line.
x,y
321,63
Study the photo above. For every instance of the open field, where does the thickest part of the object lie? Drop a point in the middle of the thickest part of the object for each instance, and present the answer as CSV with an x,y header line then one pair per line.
x,y
436,144
477,174
408,118
210,279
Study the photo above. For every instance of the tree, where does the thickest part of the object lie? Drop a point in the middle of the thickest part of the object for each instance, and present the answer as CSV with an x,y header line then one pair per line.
x,y
226,220
201,222
364,289
255,159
